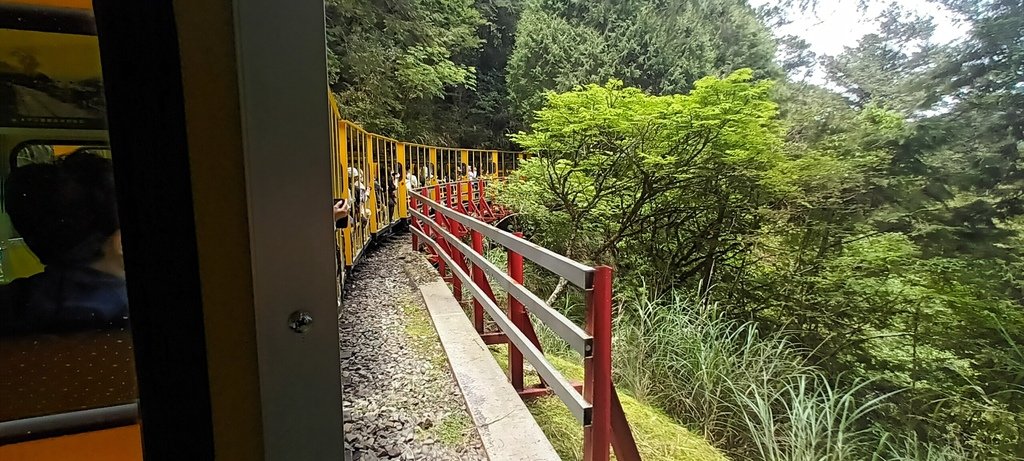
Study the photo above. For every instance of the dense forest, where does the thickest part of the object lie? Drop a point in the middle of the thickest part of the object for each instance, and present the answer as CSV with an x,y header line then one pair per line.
x,y
822,268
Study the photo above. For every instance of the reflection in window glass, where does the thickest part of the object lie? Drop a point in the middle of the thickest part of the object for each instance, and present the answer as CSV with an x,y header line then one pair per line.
x,y
65,344
64,338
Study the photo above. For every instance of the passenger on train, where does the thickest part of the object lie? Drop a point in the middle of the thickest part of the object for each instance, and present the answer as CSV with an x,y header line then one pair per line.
x,y
411,181
341,209
391,185
384,186
358,195
67,213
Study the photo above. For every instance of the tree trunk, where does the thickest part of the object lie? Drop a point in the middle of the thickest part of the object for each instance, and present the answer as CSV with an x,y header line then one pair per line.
x,y
562,283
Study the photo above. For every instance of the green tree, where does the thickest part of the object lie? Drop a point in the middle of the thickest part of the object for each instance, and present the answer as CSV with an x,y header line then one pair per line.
x,y
886,67
980,92
675,180
390,62
660,47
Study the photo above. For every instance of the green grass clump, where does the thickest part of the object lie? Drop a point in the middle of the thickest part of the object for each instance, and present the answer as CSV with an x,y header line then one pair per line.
x,y
658,436
452,429
421,333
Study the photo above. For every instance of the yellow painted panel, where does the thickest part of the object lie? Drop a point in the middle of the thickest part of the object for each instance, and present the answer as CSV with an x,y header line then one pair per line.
x,y
117,444
60,151
19,261
74,4
58,56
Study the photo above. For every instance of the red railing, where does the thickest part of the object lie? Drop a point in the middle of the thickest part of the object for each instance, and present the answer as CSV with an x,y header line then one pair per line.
x,y
442,216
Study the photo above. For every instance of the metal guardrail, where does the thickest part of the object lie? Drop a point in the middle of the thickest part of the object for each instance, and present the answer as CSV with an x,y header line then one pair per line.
x,y
363,163
579,407
440,222
575,336
576,273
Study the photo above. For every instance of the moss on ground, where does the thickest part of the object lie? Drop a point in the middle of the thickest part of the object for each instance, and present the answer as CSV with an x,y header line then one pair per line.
x,y
658,436
421,333
451,430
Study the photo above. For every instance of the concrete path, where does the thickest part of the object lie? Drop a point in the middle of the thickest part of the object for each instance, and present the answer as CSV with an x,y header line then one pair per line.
x,y
506,427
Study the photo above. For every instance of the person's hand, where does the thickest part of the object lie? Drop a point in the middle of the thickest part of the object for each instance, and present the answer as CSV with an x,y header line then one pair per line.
x,y
341,209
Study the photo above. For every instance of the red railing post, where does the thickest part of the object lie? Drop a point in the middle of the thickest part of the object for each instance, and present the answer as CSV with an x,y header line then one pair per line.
x,y
516,314
480,280
412,223
485,207
603,361
623,443
458,205
460,260
437,193
597,387
470,207
425,208
442,268
456,283
442,223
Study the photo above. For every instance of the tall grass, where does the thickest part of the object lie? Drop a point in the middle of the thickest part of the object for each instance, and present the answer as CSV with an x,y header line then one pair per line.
x,y
749,393
809,419
908,447
690,360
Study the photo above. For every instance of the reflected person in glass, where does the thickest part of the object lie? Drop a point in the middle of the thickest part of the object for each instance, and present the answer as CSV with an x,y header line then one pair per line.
x,y
66,211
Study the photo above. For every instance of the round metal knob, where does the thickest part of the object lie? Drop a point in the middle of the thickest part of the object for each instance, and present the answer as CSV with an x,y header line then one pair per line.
x,y
300,321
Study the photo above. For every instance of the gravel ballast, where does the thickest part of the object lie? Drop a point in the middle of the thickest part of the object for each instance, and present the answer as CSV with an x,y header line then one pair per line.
x,y
400,400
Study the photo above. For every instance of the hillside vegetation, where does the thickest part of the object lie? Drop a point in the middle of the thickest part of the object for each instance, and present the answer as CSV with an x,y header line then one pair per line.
x,y
806,269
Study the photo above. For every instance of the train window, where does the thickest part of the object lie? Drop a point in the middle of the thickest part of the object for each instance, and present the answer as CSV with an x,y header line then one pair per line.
x,y
50,80
66,359
65,345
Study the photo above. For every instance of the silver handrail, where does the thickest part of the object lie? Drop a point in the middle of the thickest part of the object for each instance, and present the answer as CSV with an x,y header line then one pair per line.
x,y
574,272
579,407
571,333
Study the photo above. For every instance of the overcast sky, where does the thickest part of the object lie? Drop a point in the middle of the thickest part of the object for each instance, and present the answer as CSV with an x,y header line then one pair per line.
x,y
839,23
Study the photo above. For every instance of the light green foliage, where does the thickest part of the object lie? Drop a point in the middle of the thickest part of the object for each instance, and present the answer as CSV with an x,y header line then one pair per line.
x,y
877,247
617,167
